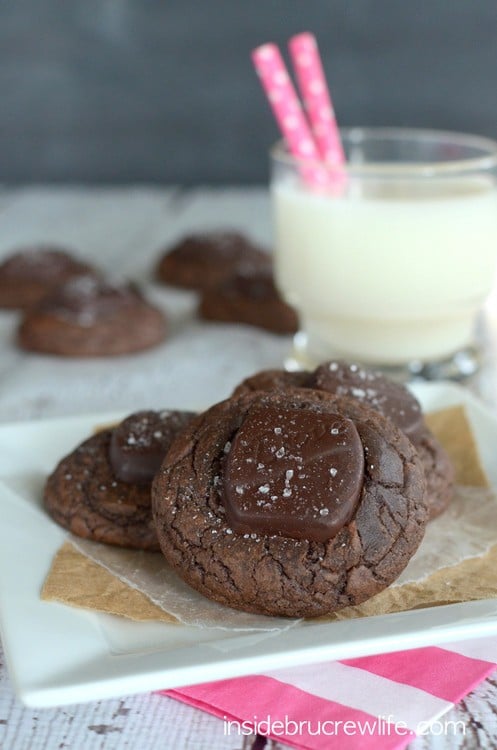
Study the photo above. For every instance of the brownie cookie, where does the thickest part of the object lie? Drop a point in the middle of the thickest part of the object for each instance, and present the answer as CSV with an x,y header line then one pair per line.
x,y
89,317
272,380
391,399
249,297
31,272
293,503
101,490
200,261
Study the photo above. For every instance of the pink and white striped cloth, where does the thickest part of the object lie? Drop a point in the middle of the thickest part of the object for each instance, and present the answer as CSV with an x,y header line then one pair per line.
x,y
369,703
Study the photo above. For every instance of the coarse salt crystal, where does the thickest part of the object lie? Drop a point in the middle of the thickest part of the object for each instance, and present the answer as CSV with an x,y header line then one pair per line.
x,y
358,392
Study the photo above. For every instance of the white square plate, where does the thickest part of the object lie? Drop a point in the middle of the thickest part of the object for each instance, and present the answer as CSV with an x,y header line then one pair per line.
x,y
59,655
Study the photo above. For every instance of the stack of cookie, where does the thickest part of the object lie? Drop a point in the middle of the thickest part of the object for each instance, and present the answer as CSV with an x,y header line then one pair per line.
x,y
300,494
233,277
69,309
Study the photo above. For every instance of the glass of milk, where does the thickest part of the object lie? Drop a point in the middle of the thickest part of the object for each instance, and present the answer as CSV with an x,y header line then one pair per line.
x,y
392,268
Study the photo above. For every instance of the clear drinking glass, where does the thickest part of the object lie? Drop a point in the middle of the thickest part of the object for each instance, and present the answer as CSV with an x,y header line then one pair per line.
x,y
393,269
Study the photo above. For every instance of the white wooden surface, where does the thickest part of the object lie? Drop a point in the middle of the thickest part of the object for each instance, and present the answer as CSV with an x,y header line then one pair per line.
x,y
122,230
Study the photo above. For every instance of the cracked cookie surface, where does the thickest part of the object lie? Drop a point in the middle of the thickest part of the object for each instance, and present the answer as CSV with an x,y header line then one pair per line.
x,y
274,574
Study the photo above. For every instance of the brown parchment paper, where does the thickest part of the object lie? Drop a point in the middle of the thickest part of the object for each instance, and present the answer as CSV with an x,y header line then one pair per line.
x,y
76,580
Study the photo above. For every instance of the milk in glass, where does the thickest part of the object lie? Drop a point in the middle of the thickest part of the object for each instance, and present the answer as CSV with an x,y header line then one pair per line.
x,y
386,273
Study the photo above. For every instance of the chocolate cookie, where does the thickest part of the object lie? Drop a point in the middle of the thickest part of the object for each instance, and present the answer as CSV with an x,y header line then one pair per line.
x,y
388,398
249,297
101,490
200,261
30,273
89,317
272,380
294,503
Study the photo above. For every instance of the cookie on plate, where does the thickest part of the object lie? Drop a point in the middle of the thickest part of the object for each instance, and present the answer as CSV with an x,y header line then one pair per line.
x,y
293,503
30,273
101,491
272,380
391,399
89,317
249,297
202,260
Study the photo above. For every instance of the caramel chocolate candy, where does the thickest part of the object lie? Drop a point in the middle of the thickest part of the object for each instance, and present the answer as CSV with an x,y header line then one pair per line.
x,y
293,473
390,399
138,445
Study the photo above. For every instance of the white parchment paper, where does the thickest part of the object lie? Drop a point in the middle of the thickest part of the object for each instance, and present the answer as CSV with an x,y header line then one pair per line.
x,y
467,529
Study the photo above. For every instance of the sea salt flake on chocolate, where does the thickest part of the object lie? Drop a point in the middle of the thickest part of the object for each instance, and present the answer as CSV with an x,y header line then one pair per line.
x,y
390,399
358,392
139,444
297,480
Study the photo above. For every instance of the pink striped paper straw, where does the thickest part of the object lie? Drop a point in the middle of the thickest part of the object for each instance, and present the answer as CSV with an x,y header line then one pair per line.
x,y
288,112
312,83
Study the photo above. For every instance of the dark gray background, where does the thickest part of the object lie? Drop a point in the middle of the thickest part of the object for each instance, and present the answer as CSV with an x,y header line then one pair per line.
x,y
163,91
